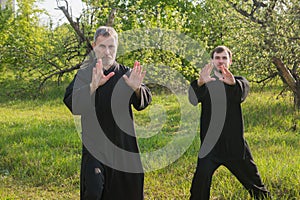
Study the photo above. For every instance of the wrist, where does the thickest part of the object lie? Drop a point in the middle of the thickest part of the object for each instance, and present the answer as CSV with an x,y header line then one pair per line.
x,y
200,82
233,82
92,88
137,89
138,92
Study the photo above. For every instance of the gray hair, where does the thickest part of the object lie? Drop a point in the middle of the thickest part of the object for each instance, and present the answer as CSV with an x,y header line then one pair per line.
x,y
106,31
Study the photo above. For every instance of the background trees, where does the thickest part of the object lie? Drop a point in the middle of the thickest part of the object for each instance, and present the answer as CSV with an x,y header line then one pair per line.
x,y
264,36
269,36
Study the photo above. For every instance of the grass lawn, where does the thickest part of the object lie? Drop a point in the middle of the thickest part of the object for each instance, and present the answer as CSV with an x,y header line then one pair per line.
x,y
40,149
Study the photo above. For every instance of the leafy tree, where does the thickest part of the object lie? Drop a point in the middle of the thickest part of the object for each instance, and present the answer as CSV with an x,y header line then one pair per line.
x,y
31,52
128,16
264,35
269,36
20,36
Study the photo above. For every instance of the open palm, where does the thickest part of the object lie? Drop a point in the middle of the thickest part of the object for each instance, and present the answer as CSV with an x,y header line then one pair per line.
x,y
136,77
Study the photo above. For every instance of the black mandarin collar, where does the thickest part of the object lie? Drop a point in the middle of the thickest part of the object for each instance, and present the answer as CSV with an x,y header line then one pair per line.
x,y
111,69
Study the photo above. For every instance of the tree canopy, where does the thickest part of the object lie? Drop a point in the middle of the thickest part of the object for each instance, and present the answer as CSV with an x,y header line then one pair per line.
x,y
264,36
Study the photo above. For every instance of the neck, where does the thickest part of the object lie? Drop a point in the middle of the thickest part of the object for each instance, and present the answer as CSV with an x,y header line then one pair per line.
x,y
218,73
107,67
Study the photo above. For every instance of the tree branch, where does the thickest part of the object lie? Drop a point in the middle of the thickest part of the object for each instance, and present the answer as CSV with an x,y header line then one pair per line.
x,y
285,74
246,14
74,25
111,18
59,73
267,78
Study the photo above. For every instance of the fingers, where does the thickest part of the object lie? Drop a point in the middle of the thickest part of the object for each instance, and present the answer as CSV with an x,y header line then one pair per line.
x,y
136,63
110,75
99,66
228,77
136,76
125,78
94,72
227,70
143,73
98,77
222,79
137,69
204,75
211,66
207,69
224,70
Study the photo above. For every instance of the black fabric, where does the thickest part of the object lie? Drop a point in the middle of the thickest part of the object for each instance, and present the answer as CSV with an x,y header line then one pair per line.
x,y
231,148
68,94
231,144
92,177
96,110
244,170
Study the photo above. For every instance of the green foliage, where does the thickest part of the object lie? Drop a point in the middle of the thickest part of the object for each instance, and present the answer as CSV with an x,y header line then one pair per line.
x,y
35,52
272,30
137,16
6,18
31,52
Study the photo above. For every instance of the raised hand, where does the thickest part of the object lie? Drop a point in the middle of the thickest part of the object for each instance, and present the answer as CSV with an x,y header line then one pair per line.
x,y
204,76
227,76
136,77
98,77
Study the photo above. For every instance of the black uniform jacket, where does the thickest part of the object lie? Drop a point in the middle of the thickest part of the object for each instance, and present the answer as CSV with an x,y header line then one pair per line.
x,y
221,115
108,129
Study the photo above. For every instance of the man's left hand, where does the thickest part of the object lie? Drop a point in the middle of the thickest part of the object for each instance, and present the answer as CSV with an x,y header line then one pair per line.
x,y
136,77
227,76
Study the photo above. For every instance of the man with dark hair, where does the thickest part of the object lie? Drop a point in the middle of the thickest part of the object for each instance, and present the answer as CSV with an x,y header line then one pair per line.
x,y
221,127
102,93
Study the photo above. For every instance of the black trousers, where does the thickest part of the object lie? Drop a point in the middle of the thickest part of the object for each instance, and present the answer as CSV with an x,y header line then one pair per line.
x,y
244,170
101,182
91,178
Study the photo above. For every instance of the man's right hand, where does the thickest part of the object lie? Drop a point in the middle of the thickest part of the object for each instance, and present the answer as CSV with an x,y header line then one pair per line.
x,y
204,76
98,77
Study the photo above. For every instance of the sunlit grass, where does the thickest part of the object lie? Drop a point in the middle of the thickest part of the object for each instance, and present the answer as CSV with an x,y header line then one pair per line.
x,y
40,149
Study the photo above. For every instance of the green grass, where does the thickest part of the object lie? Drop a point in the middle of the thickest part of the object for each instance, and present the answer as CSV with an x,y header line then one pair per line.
x,y
40,149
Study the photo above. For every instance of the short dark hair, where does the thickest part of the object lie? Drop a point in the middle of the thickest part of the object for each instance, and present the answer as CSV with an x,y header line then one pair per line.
x,y
220,49
106,31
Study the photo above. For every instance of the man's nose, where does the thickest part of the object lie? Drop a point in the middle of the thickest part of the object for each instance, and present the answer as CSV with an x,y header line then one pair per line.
x,y
222,61
107,51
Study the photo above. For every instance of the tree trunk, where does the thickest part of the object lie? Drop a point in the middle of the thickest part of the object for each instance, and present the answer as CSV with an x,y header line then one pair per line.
x,y
76,28
297,97
288,78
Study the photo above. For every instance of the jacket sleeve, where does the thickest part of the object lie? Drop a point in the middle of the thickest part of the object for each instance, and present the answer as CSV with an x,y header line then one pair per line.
x,y
196,93
68,94
77,96
140,103
240,90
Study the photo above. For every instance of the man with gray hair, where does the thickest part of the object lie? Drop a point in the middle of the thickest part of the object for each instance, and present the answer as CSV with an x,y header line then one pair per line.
x,y
102,93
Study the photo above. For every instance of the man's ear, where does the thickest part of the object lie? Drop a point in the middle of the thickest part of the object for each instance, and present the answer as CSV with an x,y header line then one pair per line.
x,y
93,44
